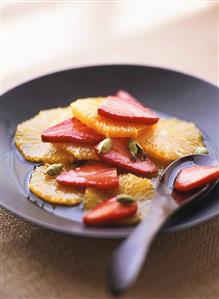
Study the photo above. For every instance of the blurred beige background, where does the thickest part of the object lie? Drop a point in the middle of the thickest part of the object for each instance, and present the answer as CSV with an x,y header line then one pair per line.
x,y
39,37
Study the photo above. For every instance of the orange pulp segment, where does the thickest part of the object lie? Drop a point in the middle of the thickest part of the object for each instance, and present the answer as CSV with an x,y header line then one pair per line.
x,y
80,152
170,139
137,187
28,137
47,188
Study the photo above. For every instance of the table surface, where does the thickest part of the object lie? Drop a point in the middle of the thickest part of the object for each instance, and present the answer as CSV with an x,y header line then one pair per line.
x,y
36,263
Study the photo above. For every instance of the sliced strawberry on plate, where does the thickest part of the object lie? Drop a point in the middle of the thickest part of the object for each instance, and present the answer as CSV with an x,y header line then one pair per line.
x,y
71,130
108,211
195,177
125,95
120,156
116,108
96,175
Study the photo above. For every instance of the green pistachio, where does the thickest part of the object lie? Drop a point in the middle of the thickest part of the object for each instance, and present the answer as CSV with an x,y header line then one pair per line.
x,y
133,149
136,150
201,150
125,198
54,169
104,146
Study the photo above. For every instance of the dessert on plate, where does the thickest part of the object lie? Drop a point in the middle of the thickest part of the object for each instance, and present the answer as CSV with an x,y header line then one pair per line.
x,y
104,153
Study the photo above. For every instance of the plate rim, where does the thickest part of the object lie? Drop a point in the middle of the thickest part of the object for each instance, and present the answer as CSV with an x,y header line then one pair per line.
x,y
89,66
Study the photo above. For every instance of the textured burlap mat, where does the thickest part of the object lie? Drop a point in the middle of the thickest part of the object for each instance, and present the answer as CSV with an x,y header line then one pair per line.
x,y
37,263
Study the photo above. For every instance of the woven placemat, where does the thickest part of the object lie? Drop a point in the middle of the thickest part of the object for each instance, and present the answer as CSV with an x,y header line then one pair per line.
x,y
37,263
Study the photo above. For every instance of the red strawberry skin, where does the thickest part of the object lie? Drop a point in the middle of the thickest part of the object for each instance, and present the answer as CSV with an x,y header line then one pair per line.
x,y
96,175
108,211
119,156
195,177
125,95
71,130
116,108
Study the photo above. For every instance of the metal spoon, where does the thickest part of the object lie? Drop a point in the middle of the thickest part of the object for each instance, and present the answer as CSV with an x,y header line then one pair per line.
x,y
128,259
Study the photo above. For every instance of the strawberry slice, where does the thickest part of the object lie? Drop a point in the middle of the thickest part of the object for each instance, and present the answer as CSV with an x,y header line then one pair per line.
x,y
120,156
125,95
108,211
97,175
71,130
195,177
115,108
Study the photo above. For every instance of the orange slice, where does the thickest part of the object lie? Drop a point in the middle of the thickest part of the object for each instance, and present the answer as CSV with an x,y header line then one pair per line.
x,y
80,152
170,139
86,111
52,153
47,188
28,137
139,188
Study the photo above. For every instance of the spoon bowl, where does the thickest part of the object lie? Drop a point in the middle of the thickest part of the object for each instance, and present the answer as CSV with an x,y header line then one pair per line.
x,y
167,178
127,261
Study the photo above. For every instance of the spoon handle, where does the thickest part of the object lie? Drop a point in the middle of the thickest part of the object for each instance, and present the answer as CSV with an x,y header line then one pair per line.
x,y
127,261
